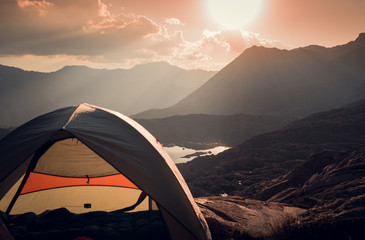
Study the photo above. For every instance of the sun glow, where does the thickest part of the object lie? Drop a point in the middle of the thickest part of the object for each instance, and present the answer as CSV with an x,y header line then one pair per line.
x,y
233,14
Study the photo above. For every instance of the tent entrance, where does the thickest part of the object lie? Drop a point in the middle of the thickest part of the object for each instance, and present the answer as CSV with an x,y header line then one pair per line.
x,y
69,174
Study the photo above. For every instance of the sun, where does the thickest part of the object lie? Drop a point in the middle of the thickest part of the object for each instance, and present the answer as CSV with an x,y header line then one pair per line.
x,y
233,14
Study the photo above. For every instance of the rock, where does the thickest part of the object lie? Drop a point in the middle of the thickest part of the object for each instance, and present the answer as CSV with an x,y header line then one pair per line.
x,y
259,167
234,216
335,189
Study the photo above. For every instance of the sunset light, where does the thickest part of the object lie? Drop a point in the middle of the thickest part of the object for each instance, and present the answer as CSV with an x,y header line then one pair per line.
x,y
151,120
233,14
46,35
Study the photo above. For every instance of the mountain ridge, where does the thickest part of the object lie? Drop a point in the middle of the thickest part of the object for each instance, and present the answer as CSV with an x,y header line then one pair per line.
x,y
203,131
270,81
263,158
26,94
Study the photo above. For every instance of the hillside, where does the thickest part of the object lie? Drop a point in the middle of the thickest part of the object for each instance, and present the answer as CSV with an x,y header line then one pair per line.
x,y
249,169
269,81
24,94
206,131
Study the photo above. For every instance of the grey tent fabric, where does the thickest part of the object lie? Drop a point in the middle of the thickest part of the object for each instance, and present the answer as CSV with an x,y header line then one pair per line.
x,y
126,147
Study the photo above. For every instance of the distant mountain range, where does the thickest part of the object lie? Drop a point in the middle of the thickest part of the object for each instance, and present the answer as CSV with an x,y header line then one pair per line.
x,y
26,94
269,81
317,162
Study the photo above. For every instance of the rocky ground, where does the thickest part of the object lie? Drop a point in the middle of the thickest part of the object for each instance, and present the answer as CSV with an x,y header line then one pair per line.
x,y
249,168
234,217
316,164
330,182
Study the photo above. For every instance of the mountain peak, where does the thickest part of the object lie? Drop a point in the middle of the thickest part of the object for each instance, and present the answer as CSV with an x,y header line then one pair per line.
x,y
155,65
74,67
361,38
271,81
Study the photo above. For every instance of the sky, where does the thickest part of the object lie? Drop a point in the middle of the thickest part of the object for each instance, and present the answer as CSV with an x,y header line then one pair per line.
x,y
45,35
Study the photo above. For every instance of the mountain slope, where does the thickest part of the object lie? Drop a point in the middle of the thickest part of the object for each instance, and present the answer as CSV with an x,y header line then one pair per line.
x,y
206,131
264,81
24,94
251,167
327,181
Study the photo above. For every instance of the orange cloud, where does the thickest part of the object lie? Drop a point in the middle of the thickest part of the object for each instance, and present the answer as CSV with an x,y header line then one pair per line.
x,y
40,5
173,21
91,31
106,23
213,51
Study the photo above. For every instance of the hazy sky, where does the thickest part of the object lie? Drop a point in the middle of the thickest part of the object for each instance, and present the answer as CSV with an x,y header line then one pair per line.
x,y
45,35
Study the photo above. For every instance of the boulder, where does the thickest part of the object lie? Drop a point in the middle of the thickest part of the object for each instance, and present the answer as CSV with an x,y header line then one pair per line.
x,y
234,217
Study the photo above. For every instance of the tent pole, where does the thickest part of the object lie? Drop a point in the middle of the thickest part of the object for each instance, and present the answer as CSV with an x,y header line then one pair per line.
x,y
11,205
30,169
149,203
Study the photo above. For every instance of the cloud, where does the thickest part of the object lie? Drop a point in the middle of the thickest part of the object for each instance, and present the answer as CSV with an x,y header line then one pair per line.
x,y
81,27
173,21
134,26
89,32
40,5
103,10
213,51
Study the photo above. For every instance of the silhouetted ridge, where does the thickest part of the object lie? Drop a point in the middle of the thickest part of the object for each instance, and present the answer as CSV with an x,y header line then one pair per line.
x,y
269,81
26,94
361,38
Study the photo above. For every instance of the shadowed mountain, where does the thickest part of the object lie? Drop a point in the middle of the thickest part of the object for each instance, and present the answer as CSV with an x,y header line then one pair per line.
x,y
327,181
249,169
206,131
24,94
263,81
316,164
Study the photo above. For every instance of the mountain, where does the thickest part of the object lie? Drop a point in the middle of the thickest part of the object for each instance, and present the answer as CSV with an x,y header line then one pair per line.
x,y
27,94
269,81
327,181
261,166
206,131
316,165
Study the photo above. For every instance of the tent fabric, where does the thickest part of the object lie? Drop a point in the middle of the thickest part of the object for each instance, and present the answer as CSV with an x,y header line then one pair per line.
x,y
77,161
99,134
38,182
100,198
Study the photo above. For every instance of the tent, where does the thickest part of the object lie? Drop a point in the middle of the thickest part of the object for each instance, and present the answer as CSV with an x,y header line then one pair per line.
x,y
88,158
